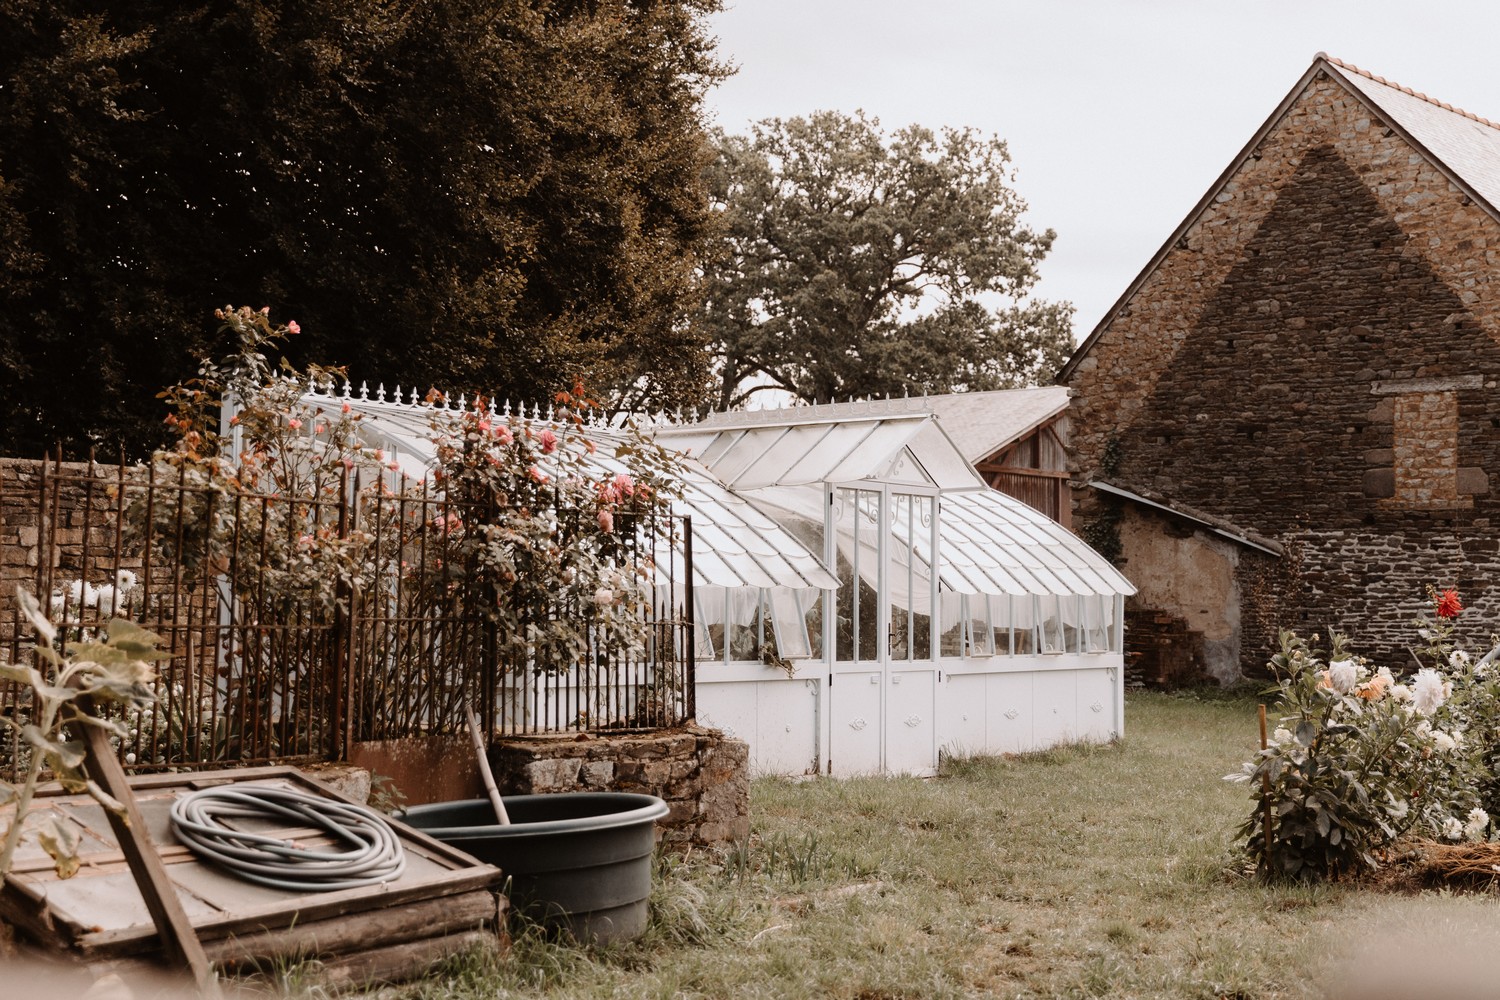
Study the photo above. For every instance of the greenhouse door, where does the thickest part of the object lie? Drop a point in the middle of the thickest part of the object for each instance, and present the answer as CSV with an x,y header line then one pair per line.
x,y
882,682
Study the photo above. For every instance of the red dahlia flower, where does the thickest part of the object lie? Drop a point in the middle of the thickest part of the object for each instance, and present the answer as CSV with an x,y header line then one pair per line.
x,y
1448,605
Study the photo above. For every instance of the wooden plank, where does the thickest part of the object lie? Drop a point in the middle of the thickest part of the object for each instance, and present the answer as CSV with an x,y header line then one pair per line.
x,y
24,911
290,775
398,962
442,873
179,940
344,935
294,910
366,968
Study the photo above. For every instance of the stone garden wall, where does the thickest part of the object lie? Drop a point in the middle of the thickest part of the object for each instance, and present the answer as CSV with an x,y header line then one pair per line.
x,y
702,774
20,522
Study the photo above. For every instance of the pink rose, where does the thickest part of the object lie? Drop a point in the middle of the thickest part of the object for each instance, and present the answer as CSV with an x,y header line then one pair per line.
x,y
549,442
294,423
293,327
606,521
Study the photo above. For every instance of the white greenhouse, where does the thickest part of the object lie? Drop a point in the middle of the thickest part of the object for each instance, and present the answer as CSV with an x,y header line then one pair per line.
x,y
963,621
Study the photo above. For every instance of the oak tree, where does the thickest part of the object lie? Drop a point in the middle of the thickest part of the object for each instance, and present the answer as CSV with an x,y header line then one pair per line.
x,y
856,263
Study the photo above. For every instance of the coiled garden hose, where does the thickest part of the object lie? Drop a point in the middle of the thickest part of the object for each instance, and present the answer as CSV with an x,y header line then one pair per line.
x,y
376,855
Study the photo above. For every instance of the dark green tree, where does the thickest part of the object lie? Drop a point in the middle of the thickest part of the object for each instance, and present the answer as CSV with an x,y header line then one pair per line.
x,y
857,264
493,195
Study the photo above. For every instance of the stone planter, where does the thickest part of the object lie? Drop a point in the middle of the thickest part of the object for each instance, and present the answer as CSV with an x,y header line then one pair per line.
x,y
579,862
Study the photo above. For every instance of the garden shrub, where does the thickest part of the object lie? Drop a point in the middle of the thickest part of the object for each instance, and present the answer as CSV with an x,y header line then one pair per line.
x,y
1360,757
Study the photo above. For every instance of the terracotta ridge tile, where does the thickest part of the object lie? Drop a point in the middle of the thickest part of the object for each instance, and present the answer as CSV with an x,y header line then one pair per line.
x,y
1406,90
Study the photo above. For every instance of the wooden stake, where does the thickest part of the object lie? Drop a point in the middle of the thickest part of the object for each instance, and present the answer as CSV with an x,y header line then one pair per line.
x,y
178,938
484,768
1265,788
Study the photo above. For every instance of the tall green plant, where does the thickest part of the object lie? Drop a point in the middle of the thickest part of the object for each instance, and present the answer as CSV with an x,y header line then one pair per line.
x,y
112,666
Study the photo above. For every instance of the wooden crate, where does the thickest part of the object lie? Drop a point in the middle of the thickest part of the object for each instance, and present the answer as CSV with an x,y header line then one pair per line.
x,y
444,901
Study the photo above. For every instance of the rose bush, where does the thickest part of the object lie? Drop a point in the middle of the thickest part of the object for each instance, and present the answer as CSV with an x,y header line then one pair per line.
x,y
1360,757
540,521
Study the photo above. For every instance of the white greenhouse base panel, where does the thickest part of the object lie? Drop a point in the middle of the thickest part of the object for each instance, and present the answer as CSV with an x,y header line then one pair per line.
x,y
898,718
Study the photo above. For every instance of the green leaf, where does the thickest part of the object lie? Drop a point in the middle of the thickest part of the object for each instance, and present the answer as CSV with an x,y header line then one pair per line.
x,y
59,838
112,726
129,637
20,674
62,755
33,612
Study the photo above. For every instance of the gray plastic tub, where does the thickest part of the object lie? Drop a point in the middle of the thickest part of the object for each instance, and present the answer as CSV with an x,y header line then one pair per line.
x,y
577,861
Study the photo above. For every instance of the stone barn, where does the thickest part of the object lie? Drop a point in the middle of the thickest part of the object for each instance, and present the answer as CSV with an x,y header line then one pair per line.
x,y
1290,416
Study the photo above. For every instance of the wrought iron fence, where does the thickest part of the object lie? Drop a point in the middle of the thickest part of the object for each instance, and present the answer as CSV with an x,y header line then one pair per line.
x,y
273,660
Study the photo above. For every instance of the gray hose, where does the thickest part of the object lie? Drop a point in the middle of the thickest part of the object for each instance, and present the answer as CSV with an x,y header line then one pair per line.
x,y
376,857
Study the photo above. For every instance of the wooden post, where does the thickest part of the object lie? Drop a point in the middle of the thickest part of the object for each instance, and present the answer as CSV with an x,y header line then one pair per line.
x,y
179,940
482,752
1265,788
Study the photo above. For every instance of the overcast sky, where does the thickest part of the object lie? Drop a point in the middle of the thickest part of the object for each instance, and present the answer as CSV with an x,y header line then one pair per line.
x,y
1119,114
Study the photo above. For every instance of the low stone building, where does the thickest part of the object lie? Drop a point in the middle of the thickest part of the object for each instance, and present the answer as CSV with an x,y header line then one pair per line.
x,y
1289,417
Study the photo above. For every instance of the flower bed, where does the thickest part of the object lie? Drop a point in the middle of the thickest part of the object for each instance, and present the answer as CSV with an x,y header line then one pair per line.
x,y
1360,756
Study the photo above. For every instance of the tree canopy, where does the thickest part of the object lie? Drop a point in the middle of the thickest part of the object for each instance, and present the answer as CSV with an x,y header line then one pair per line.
x,y
503,195
856,263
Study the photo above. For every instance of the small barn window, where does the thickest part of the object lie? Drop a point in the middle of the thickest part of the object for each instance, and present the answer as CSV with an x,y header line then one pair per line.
x,y
1425,442
1424,472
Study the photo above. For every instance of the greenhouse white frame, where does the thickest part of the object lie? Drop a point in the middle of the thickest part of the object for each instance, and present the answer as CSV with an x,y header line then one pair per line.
x,y
790,507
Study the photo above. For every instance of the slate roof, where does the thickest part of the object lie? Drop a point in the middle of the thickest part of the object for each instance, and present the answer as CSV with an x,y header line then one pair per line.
x,y
981,423
1462,145
1468,145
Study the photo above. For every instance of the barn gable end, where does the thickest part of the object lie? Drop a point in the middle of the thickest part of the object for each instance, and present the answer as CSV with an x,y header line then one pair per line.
x,y
1311,357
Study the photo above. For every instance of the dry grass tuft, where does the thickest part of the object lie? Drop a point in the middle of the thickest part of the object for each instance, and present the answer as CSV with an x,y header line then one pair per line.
x,y
1460,866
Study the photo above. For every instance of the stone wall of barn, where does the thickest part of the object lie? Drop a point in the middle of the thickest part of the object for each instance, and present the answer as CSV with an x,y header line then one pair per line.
x,y
1315,360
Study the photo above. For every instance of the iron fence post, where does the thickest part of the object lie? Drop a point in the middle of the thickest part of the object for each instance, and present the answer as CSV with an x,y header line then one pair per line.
x,y
343,638
690,642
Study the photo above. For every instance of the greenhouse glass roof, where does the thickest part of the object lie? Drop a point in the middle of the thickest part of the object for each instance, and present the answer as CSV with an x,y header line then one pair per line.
x,y
751,476
831,443
735,543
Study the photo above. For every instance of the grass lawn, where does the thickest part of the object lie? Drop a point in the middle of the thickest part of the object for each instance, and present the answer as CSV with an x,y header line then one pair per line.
x,y
1083,872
